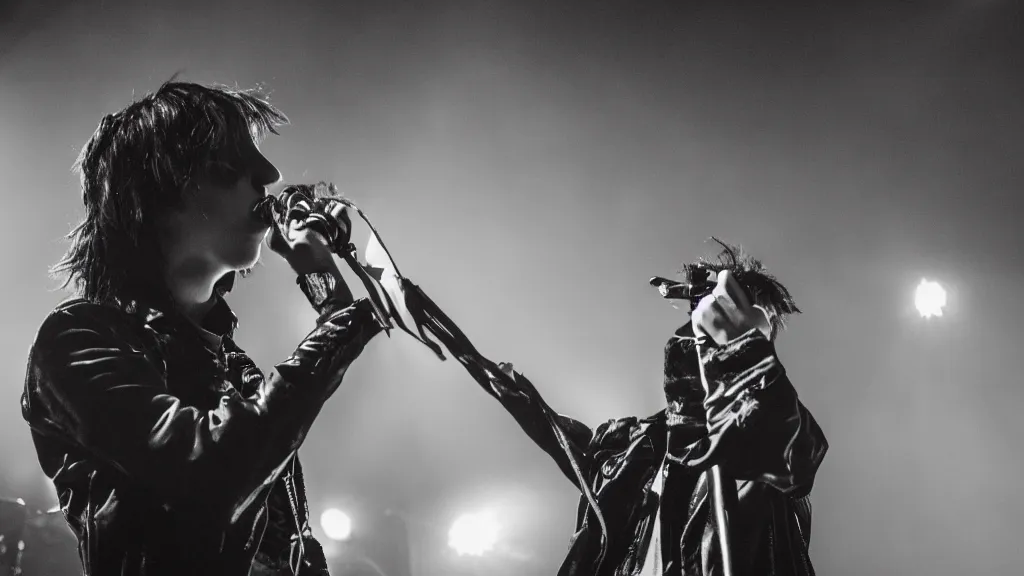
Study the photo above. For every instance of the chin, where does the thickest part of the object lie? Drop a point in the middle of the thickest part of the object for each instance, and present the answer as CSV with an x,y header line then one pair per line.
x,y
245,259
255,258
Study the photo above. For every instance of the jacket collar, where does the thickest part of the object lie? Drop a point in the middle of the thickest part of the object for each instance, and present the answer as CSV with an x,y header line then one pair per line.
x,y
161,314
219,321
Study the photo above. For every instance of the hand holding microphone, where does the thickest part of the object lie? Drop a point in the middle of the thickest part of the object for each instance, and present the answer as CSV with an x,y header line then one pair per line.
x,y
309,225
719,307
727,313
318,207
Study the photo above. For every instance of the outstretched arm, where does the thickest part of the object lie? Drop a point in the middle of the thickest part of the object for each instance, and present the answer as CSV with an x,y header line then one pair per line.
x,y
558,435
566,440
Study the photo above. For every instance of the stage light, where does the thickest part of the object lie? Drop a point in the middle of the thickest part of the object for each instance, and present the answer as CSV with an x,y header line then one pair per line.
x,y
336,524
473,534
930,299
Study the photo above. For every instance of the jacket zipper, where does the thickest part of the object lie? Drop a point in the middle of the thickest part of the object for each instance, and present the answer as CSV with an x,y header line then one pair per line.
x,y
293,499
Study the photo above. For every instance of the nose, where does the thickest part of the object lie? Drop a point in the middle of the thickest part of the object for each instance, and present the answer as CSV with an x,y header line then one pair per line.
x,y
264,172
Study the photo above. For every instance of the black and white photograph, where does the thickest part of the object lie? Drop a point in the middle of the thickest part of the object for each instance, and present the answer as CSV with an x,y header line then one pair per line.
x,y
511,288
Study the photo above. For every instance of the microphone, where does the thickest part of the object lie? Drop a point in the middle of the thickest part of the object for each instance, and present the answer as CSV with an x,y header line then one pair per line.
x,y
697,286
722,490
322,209
319,207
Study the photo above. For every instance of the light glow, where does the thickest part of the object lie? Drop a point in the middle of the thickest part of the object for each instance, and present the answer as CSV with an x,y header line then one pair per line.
x,y
473,534
336,524
930,298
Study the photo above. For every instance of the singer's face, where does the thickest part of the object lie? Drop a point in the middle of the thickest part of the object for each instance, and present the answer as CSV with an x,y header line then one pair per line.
x,y
217,224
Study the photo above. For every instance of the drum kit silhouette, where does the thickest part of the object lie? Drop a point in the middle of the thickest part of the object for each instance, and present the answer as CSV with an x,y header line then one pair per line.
x,y
35,543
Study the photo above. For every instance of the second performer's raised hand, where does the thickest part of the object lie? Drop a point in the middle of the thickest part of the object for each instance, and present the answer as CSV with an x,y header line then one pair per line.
x,y
727,312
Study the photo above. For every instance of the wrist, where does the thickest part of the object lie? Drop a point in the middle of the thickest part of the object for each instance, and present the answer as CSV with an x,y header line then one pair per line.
x,y
308,264
324,289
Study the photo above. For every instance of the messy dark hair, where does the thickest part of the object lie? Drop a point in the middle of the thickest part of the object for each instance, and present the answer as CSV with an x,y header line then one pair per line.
x,y
763,289
136,165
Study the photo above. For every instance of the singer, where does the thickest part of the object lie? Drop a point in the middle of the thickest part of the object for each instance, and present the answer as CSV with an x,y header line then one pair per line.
x,y
645,506
170,451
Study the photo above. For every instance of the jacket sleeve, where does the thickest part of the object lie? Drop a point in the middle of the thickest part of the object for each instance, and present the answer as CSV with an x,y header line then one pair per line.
x,y
566,440
288,544
558,435
93,385
759,428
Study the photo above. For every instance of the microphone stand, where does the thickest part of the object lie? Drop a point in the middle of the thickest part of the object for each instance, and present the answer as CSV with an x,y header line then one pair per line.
x,y
722,489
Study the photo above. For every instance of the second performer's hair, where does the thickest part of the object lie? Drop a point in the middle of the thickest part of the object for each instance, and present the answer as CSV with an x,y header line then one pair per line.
x,y
763,288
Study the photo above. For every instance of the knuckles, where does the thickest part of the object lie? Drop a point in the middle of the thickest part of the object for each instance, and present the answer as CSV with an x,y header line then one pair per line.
x,y
712,317
706,315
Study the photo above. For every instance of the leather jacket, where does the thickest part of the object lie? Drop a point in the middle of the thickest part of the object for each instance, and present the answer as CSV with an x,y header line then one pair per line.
x,y
751,423
171,452
763,436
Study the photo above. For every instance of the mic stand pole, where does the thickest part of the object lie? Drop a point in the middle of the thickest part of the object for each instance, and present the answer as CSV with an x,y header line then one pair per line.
x,y
721,489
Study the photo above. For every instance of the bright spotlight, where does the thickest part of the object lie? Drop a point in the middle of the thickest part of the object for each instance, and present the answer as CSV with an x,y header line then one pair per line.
x,y
473,534
336,524
930,299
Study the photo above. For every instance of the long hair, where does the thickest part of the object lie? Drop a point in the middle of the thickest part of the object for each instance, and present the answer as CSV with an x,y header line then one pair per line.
x,y
136,165
763,289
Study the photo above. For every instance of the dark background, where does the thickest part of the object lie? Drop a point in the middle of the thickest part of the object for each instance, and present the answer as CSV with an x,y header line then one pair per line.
x,y
530,165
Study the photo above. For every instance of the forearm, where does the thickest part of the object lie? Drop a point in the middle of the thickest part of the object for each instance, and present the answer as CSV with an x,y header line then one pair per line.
x,y
325,289
293,396
758,425
783,446
565,440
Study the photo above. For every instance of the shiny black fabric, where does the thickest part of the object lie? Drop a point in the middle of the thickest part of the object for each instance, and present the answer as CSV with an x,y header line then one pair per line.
x,y
760,433
764,438
171,455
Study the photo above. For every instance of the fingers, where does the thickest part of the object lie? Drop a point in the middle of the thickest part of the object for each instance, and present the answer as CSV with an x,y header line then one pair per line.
x,y
277,241
305,217
294,200
728,284
338,220
725,313
335,209
326,216
731,299
710,319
